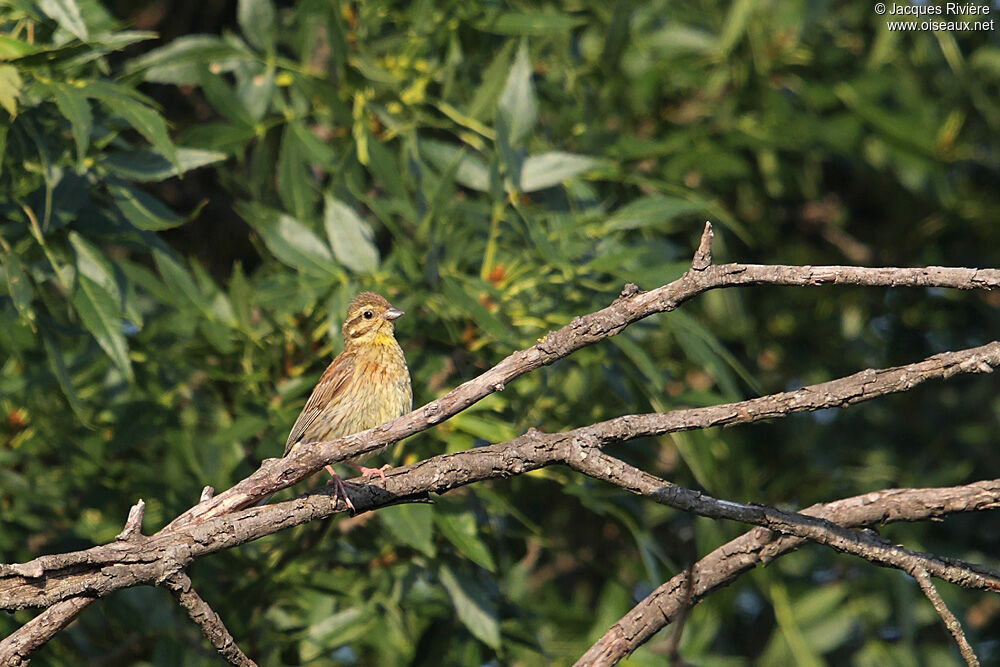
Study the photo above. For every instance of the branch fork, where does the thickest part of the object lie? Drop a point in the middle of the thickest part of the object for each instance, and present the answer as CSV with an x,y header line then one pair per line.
x,y
65,585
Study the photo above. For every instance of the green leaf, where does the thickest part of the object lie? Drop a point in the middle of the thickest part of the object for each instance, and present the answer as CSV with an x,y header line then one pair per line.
x,y
485,98
18,285
10,88
225,137
101,315
474,606
459,526
515,23
67,15
470,172
58,368
316,150
181,61
484,318
904,129
411,523
224,99
256,19
147,212
183,291
543,171
148,122
652,211
256,92
350,236
92,263
147,167
517,107
384,166
73,104
292,177
14,48
291,242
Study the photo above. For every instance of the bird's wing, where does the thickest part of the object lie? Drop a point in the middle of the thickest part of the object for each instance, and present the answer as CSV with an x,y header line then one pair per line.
x,y
330,385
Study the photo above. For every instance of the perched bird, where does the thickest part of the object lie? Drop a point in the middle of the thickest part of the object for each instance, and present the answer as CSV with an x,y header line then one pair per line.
x,y
366,385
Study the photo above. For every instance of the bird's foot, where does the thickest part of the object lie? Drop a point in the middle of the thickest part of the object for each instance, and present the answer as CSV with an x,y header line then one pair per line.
x,y
368,473
339,490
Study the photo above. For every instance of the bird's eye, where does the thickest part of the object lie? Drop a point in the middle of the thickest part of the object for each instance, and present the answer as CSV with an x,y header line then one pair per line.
x,y
369,314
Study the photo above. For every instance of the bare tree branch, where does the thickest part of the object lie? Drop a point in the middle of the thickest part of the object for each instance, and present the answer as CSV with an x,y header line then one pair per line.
x,y
954,627
75,572
868,544
15,649
761,546
103,569
277,474
206,619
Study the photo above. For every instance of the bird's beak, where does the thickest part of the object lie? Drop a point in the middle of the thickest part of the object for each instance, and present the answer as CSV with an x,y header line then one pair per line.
x,y
393,313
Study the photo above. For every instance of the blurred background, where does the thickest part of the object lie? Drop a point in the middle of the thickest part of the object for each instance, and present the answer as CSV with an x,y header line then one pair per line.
x,y
191,192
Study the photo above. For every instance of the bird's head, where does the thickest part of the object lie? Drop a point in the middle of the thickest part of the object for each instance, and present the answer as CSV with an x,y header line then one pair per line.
x,y
370,319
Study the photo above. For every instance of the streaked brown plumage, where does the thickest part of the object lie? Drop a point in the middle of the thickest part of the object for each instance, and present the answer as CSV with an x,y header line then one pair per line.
x,y
366,385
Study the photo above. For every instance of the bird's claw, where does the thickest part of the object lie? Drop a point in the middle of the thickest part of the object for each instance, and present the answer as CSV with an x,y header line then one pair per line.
x,y
339,490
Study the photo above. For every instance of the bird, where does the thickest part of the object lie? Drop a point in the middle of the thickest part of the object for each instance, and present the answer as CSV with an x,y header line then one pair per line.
x,y
366,385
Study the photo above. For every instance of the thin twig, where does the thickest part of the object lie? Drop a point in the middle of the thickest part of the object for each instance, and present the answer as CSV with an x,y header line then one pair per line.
x,y
179,583
923,578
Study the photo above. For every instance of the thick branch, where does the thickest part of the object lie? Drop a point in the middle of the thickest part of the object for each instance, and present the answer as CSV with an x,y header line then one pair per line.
x,y
277,474
104,569
206,619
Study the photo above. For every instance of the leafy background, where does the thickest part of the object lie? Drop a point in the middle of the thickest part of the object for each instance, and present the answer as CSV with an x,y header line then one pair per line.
x,y
192,191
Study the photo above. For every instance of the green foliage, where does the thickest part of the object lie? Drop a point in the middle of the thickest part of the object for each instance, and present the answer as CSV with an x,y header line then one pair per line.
x,y
185,220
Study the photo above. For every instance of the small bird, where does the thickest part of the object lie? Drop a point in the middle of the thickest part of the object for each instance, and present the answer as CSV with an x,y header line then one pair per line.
x,y
366,385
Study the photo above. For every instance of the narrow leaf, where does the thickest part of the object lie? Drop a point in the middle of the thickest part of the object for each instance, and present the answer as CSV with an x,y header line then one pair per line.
x,y
92,263
518,107
67,15
18,285
484,318
292,176
256,19
652,211
73,104
10,88
147,122
291,242
543,171
470,171
411,524
147,167
474,607
459,527
350,236
536,23
101,315
14,48
147,212
181,61
58,368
